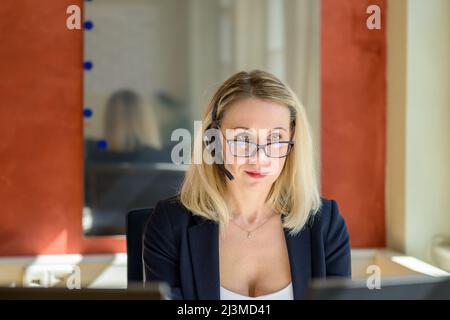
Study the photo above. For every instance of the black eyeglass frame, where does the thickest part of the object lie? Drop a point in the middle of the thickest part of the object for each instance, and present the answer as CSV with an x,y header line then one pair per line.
x,y
261,146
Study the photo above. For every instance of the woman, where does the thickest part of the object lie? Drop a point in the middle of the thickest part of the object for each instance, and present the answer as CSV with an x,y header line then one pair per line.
x,y
252,226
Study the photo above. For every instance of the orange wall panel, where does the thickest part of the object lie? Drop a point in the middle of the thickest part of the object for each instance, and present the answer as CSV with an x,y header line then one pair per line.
x,y
41,132
353,113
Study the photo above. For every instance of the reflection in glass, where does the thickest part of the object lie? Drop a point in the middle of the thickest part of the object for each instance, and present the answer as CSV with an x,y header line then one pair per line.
x,y
155,64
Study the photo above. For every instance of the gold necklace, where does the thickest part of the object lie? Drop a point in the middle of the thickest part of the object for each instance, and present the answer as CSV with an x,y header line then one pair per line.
x,y
249,232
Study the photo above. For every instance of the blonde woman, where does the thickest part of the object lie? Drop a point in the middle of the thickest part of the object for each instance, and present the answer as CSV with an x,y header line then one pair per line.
x,y
252,226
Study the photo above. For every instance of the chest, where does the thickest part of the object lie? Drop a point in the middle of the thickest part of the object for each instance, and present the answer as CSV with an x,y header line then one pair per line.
x,y
257,265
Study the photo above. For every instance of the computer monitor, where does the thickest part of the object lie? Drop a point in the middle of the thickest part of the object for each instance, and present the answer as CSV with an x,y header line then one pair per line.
x,y
152,291
391,288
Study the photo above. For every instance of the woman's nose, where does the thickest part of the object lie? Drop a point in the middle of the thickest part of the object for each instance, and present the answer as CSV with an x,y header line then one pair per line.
x,y
260,157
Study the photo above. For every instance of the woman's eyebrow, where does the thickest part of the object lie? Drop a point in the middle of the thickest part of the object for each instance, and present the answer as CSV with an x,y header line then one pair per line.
x,y
279,128
245,128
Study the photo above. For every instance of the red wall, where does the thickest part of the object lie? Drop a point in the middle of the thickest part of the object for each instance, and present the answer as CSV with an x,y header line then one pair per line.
x,y
41,127
41,132
354,117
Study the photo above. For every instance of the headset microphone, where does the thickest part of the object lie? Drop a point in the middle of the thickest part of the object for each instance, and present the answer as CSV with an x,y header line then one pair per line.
x,y
208,144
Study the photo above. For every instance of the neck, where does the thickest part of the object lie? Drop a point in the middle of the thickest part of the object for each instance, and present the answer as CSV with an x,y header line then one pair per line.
x,y
248,206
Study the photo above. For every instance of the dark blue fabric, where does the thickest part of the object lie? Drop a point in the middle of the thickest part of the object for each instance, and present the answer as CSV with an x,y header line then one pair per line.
x,y
136,220
182,249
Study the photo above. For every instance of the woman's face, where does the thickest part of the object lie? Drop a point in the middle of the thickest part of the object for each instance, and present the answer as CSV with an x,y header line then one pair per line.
x,y
258,121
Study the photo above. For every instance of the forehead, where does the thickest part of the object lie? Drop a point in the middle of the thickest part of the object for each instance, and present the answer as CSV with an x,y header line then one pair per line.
x,y
256,114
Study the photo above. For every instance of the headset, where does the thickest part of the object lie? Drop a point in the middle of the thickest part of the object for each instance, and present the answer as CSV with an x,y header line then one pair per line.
x,y
208,143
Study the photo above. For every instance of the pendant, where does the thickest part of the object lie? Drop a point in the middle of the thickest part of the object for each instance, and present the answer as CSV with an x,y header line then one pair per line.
x,y
249,235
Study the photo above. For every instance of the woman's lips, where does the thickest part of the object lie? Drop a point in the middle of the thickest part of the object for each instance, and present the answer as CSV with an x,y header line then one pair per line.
x,y
256,174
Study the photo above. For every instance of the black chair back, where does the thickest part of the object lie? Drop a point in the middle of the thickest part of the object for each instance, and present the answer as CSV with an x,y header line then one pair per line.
x,y
136,222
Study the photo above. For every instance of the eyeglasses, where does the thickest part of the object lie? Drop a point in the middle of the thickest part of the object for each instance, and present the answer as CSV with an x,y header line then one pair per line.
x,y
245,149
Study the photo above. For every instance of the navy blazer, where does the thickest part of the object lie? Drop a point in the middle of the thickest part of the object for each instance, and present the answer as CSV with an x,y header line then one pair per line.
x,y
182,250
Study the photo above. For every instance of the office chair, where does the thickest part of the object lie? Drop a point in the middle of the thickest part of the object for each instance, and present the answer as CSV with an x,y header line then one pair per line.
x,y
114,189
136,222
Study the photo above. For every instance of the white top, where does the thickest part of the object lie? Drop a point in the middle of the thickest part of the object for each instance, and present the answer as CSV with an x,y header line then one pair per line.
x,y
286,293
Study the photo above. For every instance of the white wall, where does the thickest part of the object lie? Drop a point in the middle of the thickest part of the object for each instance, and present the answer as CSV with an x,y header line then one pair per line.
x,y
418,159
428,124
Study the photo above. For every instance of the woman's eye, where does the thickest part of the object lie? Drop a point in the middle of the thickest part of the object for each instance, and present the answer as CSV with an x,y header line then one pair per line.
x,y
275,138
242,138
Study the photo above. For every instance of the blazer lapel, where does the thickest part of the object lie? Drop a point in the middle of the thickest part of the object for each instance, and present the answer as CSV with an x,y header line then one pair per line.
x,y
204,248
299,251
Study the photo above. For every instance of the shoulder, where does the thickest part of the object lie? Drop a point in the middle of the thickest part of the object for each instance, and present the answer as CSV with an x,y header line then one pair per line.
x,y
331,239
172,203
328,219
170,211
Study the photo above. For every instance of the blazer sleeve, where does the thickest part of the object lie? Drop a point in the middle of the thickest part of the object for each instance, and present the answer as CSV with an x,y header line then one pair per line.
x,y
337,245
160,254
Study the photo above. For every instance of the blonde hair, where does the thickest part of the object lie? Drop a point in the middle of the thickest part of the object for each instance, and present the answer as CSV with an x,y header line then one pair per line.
x,y
129,124
295,194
